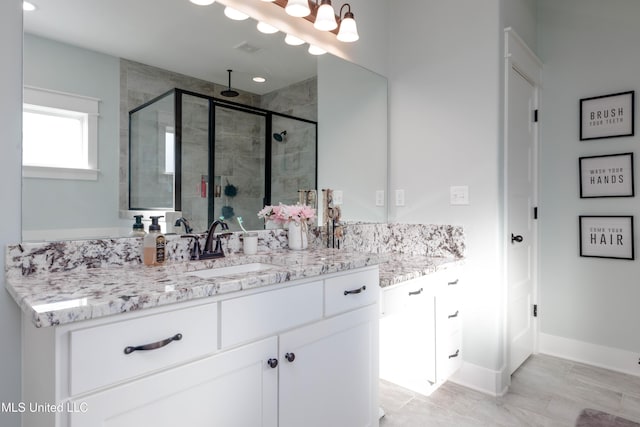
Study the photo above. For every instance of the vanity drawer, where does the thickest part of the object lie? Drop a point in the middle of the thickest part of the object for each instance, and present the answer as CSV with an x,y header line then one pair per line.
x,y
350,291
450,358
268,313
106,354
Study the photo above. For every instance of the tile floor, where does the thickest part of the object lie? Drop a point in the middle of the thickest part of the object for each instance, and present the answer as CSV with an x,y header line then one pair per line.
x,y
545,391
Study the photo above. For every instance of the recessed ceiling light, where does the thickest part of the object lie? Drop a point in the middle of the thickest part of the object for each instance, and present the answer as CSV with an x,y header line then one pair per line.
x,y
259,79
265,28
293,40
315,50
234,14
203,2
29,7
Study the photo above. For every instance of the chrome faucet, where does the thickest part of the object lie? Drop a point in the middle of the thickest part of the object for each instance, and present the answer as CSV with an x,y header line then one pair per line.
x,y
208,251
183,221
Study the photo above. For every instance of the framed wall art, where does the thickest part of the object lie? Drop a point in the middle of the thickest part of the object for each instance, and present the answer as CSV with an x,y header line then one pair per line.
x,y
606,237
607,116
606,176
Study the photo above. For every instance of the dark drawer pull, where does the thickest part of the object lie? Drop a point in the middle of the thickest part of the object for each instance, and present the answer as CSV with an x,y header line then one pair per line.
x,y
290,357
273,363
456,354
455,282
418,292
355,291
153,346
451,316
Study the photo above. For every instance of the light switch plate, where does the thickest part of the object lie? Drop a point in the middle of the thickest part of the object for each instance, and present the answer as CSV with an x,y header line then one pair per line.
x,y
399,197
337,197
380,198
459,195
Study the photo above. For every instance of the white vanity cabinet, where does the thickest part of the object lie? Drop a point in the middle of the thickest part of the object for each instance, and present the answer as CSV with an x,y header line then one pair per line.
x,y
300,353
420,331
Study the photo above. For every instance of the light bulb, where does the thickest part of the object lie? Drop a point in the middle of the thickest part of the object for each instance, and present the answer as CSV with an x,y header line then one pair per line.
x,y
265,28
234,14
260,79
315,50
326,17
298,8
293,40
203,2
348,31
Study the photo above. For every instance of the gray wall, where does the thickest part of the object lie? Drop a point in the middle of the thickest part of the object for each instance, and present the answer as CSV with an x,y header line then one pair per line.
x,y
79,204
445,114
589,48
10,195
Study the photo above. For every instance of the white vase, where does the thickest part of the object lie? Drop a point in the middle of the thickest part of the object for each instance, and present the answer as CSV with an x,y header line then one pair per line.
x,y
297,234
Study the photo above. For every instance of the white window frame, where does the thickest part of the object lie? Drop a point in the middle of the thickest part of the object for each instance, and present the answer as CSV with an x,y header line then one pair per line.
x,y
66,101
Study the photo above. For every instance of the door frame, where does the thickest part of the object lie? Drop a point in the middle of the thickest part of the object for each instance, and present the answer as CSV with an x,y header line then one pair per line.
x,y
518,56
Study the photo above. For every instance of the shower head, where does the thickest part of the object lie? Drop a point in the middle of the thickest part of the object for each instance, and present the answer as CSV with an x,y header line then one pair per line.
x,y
229,92
280,136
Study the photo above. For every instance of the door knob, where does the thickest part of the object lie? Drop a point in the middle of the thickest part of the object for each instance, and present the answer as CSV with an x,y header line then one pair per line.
x,y
517,238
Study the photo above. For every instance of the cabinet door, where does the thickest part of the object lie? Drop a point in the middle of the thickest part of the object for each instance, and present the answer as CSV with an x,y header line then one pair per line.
x,y
329,372
234,388
407,336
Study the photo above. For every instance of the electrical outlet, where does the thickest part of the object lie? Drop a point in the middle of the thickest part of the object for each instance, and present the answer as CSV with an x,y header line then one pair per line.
x,y
399,197
380,198
337,197
459,195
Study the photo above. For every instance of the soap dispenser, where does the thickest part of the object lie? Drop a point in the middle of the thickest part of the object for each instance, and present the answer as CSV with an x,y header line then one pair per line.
x,y
138,227
154,244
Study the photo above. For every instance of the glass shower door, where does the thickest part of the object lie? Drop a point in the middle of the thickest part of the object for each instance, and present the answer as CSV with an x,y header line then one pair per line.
x,y
239,155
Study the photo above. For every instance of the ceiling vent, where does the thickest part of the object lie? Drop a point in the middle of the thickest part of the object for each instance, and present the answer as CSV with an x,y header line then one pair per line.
x,y
247,48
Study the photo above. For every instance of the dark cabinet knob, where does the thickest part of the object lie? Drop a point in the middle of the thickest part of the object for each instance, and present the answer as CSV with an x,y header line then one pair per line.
x,y
272,363
517,238
290,357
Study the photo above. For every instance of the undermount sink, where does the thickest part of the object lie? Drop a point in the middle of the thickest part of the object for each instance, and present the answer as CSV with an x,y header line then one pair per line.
x,y
232,269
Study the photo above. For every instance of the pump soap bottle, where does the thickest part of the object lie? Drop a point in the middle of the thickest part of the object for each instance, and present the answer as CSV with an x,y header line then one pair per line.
x,y
138,227
154,244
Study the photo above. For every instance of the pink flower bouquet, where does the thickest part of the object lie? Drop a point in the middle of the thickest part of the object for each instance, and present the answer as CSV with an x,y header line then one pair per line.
x,y
283,214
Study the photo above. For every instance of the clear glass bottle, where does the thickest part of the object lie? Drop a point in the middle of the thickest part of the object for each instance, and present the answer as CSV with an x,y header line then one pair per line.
x,y
138,227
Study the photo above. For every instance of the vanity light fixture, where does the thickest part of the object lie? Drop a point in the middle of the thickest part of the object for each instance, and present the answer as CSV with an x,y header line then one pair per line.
x,y
203,2
265,28
293,40
28,7
348,32
325,17
315,50
234,14
298,8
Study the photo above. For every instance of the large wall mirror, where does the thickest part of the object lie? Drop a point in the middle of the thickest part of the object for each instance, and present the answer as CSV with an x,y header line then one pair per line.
x,y
125,54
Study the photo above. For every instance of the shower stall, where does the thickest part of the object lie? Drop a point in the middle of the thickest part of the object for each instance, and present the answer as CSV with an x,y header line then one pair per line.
x,y
209,158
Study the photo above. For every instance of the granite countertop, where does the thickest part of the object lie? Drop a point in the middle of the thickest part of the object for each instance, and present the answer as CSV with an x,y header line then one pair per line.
x,y
63,297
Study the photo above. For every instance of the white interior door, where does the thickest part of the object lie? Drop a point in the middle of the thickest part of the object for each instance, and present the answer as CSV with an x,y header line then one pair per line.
x,y
520,233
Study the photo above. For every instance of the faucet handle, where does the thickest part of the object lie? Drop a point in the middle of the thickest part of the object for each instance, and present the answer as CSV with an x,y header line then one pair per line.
x,y
195,250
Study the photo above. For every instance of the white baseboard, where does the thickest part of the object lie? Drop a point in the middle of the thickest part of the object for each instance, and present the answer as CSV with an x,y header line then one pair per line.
x,y
592,354
480,379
